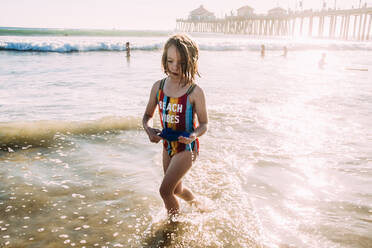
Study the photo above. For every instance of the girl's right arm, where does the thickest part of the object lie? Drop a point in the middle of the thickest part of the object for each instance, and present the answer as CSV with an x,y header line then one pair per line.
x,y
149,112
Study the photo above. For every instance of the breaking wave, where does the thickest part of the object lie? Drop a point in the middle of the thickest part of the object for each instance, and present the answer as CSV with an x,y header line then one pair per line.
x,y
23,134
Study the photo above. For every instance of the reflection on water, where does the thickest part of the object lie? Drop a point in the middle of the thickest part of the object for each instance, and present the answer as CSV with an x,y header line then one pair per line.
x,y
128,61
163,234
74,195
50,199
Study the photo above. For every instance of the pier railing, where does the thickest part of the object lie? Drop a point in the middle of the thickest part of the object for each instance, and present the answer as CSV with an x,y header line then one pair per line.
x,y
350,24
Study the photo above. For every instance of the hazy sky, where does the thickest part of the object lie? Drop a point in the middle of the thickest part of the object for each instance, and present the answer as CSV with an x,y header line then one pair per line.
x,y
136,14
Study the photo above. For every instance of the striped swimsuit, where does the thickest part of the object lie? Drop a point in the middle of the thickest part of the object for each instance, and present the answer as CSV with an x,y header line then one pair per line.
x,y
177,113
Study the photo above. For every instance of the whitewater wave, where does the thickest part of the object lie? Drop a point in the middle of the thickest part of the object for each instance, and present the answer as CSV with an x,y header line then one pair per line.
x,y
23,135
67,46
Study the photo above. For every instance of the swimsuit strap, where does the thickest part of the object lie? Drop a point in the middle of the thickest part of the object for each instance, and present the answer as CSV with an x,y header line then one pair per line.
x,y
161,86
191,89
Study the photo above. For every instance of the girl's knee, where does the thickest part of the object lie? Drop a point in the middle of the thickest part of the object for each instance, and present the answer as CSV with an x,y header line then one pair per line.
x,y
165,191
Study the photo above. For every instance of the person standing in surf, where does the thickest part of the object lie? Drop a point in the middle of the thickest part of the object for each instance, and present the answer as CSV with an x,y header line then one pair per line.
x,y
127,48
180,102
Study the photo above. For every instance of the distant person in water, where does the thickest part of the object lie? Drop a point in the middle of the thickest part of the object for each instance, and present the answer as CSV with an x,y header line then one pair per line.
x,y
322,62
127,47
180,102
262,51
285,51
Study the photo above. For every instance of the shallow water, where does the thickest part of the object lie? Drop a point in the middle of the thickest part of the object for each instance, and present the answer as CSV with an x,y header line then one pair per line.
x,y
286,161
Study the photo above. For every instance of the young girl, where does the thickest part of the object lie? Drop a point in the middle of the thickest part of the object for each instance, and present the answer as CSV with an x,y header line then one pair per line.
x,y
179,101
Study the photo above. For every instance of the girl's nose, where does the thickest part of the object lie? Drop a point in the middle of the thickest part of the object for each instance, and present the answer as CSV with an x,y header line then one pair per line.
x,y
175,66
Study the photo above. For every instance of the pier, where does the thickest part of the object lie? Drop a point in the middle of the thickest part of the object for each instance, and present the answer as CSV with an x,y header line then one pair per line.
x,y
348,24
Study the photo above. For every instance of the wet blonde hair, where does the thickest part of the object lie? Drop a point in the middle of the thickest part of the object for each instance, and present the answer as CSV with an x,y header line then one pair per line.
x,y
189,53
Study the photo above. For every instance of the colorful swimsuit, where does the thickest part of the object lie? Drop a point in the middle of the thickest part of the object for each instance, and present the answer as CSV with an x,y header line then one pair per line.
x,y
177,113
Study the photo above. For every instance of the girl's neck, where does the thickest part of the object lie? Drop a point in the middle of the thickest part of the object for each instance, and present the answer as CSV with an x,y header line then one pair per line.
x,y
175,84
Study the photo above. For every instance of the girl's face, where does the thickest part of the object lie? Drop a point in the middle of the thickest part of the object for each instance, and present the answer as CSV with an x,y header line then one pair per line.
x,y
174,63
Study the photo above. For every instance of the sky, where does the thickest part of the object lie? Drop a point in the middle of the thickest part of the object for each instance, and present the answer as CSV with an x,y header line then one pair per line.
x,y
137,14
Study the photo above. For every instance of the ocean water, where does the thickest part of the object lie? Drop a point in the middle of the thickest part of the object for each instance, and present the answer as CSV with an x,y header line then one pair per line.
x,y
286,161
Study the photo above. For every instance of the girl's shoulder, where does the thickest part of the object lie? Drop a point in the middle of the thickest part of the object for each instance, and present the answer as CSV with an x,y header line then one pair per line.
x,y
197,93
160,83
197,90
156,85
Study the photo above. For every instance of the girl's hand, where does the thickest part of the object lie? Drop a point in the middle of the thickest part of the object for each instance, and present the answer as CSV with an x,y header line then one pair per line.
x,y
187,140
153,134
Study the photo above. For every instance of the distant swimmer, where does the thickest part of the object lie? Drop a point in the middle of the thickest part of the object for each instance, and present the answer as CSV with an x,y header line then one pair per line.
x,y
262,51
322,62
127,47
285,51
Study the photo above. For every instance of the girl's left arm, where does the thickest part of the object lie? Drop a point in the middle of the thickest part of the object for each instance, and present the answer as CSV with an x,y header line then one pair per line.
x,y
198,99
201,112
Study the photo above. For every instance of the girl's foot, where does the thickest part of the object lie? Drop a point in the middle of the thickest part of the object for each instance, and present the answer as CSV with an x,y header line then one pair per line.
x,y
202,206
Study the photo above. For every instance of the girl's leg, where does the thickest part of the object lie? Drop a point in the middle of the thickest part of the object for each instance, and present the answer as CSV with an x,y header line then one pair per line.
x,y
182,192
177,167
